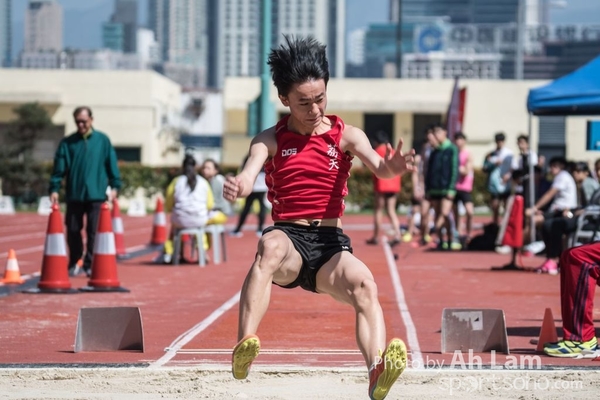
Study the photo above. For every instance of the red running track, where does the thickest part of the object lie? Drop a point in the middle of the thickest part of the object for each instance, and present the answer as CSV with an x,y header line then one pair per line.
x,y
199,305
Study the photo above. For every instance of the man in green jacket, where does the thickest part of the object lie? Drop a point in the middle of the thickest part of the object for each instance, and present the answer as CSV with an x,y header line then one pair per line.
x,y
442,174
89,162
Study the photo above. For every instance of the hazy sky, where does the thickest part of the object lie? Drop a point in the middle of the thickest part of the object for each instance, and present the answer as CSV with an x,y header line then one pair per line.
x,y
83,18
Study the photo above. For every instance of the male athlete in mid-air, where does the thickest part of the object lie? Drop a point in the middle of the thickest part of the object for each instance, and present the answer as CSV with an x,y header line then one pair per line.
x,y
307,158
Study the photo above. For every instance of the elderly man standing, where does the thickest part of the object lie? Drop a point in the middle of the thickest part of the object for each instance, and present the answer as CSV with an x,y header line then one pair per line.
x,y
89,162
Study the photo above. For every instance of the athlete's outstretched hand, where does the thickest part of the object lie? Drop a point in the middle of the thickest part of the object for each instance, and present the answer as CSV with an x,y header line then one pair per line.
x,y
397,161
232,188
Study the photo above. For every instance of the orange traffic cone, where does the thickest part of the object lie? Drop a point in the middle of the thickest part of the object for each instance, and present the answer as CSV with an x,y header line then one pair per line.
x,y
104,263
159,228
548,331
12,273
55,271
117,227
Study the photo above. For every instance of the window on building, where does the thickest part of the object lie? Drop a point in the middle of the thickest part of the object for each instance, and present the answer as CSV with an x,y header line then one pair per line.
x,y
129,154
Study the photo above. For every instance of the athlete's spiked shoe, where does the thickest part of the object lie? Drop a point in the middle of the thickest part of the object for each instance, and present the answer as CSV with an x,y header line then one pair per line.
x,y
385,373
569,348
243,354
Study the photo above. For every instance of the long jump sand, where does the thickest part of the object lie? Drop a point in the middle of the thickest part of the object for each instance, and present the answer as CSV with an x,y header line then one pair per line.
x,y
292,384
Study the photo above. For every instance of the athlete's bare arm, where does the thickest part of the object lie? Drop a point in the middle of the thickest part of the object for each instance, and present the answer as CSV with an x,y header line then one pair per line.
x,y
262,147
355,141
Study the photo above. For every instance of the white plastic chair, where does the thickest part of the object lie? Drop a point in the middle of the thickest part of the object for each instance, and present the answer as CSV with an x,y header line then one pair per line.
x,y
199,244
218,241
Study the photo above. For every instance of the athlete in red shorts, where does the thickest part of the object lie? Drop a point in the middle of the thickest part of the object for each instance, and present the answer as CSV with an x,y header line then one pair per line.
x,y
307,159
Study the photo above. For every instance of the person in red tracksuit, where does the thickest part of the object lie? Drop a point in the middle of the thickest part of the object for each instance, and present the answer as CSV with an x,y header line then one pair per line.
x,y
386,195
579,275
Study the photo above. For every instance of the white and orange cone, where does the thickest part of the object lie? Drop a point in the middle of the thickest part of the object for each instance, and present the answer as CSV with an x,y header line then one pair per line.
x,y
118,230
55,271
104,263
12,275
159,228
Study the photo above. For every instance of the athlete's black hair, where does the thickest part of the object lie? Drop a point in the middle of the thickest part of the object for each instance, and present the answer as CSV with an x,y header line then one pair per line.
x,y
296,61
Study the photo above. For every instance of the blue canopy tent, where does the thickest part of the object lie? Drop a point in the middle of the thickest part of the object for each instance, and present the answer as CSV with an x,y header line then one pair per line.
x,y
577,93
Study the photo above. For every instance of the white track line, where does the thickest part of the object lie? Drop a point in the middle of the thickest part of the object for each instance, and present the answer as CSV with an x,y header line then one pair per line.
x,y
276,352
187,336
23,236
411,330
26,250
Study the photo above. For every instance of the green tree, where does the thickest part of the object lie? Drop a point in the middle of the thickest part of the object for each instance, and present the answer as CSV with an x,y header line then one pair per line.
x,y
23,133
18,170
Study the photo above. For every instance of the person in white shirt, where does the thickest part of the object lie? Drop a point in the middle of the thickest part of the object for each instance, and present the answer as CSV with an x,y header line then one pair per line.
x,y
521,163
222,209
562,197
498,165
189,198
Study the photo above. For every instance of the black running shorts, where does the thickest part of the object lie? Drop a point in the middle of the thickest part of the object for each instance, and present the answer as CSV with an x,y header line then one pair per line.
x,y
316,246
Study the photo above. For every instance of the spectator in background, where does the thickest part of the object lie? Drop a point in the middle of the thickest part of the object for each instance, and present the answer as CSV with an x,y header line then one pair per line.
x,y
558,225
386,193
464,184
89,162
418,196
562,197
221,210
586,185
428,148
441,179
498,165
188,198
521,163
543,179
597,169
259,191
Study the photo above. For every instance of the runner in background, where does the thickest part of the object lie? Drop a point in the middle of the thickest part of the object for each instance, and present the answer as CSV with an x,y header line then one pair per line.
x,y
386,196
464,186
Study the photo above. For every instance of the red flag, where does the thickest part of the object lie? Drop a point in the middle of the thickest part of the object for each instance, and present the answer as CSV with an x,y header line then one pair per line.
x,y
456,110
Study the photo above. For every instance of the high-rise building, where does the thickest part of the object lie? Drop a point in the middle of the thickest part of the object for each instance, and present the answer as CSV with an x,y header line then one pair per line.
x,y
235,33
147,48
458,11
356,46
223,36
43,26
5,33
180,28
126,14
113,36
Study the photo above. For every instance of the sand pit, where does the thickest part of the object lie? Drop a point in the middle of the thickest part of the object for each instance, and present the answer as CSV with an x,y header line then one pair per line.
x,y
292,383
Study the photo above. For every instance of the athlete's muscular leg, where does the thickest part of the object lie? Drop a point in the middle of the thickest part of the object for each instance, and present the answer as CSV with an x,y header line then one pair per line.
x,y
347,279
276,260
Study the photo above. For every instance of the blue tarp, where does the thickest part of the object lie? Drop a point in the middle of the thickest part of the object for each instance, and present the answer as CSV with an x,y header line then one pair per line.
x,y
577,93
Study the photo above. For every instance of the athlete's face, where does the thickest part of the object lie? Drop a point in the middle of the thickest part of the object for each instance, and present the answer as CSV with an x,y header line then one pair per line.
x,y
307,102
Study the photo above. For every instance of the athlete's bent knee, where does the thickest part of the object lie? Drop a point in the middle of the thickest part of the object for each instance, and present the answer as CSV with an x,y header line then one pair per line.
x,y
271,251
364,293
